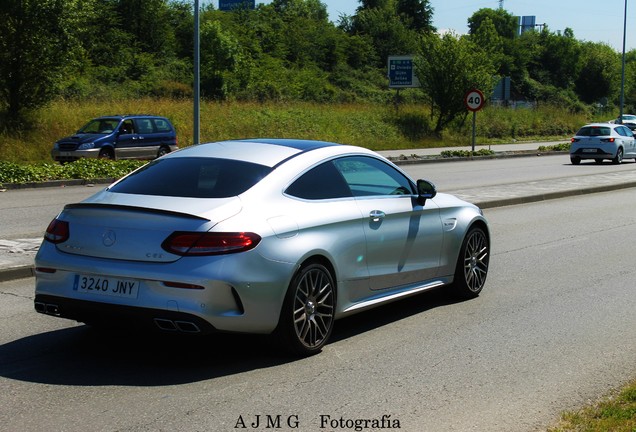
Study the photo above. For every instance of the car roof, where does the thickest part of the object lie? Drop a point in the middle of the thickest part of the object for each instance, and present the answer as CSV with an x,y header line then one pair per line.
x,y
264,151
126,116
611,125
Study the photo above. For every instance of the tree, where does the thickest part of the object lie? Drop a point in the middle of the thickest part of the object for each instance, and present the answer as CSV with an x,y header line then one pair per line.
x,y
220,54
489,41
387,31
448,67
38,44
506,24
600,73
149,21
416,14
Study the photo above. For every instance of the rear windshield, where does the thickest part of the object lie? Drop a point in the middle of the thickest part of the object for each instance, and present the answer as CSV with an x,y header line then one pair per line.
x,y
594,131
193,178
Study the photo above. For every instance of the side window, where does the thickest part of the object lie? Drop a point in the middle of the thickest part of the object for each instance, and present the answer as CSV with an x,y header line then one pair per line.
x,y
127,127
367,176
321,182
144,126
161,125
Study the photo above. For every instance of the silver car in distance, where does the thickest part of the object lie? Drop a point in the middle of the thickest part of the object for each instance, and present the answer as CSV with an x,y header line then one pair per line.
x,y
257,236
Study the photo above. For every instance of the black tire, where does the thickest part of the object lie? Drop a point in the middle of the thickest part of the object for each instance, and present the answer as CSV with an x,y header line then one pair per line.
x,y
472,264
619,157
163,150
307,317
575,160
107,153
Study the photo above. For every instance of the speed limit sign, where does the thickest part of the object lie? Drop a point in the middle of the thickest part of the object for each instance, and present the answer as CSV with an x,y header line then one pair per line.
x,y
474,100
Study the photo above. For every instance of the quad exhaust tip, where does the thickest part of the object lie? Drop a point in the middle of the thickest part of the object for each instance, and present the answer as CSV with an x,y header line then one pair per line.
x,y
47,308
177,326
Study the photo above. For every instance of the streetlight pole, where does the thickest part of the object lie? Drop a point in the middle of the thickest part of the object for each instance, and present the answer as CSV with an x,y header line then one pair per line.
x,y
197,94
622,102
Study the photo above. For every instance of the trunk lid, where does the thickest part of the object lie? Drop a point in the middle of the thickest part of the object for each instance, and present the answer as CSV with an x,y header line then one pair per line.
x,y
133,227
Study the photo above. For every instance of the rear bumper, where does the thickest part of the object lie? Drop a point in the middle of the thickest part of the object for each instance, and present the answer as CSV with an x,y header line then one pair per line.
x,y
584,153
121,316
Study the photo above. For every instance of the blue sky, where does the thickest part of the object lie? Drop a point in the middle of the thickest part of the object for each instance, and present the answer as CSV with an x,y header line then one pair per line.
x,y
596,21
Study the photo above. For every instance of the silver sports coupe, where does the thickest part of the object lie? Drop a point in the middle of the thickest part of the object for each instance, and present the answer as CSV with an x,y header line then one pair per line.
x,y
257,236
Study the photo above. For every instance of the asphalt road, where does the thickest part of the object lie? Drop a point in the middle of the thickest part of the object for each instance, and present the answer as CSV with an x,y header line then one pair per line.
x,y
553,329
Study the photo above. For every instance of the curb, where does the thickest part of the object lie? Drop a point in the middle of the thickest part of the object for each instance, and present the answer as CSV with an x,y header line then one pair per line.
x,y
56,183
405,160
503,202
19,272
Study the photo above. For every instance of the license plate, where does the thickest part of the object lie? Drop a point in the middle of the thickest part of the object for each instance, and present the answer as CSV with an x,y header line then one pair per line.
x,y
107,286
589,150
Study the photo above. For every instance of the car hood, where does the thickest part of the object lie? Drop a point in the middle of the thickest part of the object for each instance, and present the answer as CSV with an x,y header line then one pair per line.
x,y
81,138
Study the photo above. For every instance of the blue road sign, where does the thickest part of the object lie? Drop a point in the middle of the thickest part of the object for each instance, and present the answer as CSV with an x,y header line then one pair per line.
x,y
228,5
401,72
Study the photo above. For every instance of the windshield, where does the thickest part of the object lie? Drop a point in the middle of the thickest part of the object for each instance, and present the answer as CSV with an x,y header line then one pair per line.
x,y
629,117
100,126
193,178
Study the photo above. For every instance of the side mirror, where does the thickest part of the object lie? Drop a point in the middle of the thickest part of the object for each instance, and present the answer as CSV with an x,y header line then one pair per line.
x,y
425,190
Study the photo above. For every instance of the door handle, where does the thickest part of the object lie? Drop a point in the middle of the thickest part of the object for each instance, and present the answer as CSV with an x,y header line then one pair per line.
x,y
376,215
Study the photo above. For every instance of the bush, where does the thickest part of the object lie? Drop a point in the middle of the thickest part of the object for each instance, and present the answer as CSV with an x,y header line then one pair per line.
x,y
466,153
83,169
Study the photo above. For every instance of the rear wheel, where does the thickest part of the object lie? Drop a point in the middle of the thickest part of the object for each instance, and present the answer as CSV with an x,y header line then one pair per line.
x,y
308,312
575,160
472,264
619,157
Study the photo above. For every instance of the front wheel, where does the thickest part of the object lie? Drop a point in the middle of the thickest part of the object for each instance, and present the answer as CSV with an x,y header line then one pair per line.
x,y
163,150
308,312
107,153
472,264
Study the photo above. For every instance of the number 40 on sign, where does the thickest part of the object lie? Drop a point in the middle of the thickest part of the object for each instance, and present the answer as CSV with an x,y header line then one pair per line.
x,y
474,100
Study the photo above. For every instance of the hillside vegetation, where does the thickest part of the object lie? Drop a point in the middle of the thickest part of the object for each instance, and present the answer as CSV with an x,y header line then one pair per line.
x,y
375,126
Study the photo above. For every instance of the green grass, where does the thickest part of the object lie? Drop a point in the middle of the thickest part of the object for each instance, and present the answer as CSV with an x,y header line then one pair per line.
x,y
616,413
375,126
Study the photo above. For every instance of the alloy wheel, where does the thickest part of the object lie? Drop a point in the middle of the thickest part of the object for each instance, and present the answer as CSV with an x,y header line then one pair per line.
x,y
313,307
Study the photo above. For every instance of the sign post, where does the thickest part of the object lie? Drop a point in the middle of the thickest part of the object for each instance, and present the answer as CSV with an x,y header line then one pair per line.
x,y
474,101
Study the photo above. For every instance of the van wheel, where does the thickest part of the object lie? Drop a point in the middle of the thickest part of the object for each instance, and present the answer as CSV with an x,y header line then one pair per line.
x,y
163,150
106,153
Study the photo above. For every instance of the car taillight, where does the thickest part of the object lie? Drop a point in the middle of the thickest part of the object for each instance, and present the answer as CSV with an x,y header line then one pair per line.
x,y
57,231
209,243
574,140
607,140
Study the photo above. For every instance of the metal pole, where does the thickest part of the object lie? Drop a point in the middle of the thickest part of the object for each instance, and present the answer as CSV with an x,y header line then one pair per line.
x,y
474,126
197,93
622,102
